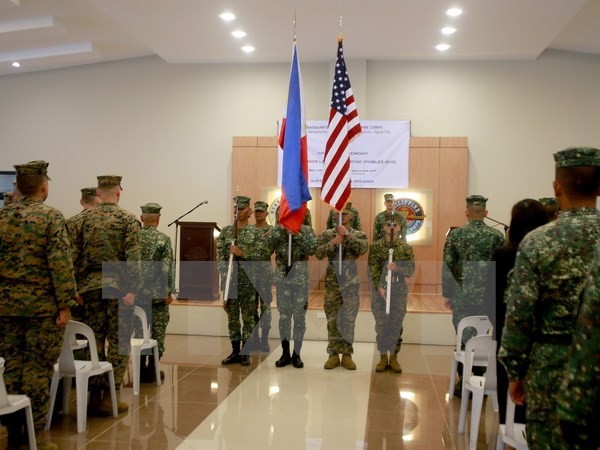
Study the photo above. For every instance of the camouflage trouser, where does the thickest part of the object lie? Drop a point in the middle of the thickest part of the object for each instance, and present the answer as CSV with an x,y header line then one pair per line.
x,y
389,326
462,308
292,302
244,305
31,347
544,376
112,323
264,297
341,309
158,318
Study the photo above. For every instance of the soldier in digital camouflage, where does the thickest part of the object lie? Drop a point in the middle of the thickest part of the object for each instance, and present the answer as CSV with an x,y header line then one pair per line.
x,y
579,397
332,219
157,289
106,244
543,296
292,288
378,223
241,297
388,327
37,290
341,289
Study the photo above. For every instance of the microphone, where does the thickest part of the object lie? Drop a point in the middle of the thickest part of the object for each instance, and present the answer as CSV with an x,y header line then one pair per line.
x,y
203,203
506,227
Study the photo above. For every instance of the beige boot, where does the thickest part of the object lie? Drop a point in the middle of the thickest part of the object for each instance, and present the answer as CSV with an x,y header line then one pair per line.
x,y
347,362
394,364
382,364
332,362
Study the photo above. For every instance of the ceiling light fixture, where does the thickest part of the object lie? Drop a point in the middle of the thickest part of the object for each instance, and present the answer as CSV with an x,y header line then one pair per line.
x,y
16,64
238,34
248,48
442,47
448,30
454,12
227,16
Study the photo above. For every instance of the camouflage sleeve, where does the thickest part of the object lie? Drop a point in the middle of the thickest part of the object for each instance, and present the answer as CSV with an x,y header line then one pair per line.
x,y
356,243
450,261
60,262
309,241
323,248
521,295
378,227
73,231
133,255
376,262
168,259
404,258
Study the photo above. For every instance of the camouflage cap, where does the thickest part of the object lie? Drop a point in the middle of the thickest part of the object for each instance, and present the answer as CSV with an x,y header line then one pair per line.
x,y
151,208
88,191
476,200
109,180
261,206
348,209
548,201
33,168
241,201
577,157
388,197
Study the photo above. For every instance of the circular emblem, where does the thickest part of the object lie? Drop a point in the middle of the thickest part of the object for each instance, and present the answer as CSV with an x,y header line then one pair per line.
x,y
273,211
413,211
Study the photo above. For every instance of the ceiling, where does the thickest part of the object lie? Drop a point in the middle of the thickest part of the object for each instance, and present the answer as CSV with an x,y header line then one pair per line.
x,y
48,34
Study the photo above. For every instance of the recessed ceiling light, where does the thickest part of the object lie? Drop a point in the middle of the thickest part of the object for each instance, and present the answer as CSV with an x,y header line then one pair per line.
x,y
448,30
453,12
248,48
238,34
16,64
227,16
442,47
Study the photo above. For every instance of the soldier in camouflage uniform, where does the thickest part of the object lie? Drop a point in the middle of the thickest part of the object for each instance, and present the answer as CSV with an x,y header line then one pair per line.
x,y
106,243
8,198
341,290
579,398
37,289
543,296
157,290
332,219
292,288
389,326
551,206
378,224
241,300
263,278
467,253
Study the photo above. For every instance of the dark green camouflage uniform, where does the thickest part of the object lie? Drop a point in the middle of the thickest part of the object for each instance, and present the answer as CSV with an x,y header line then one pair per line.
x,y
292,283
241,301
467,253
36,280
106,244
263,273
378,225
389,326
579,397
158,281
341,291
542,303
72,227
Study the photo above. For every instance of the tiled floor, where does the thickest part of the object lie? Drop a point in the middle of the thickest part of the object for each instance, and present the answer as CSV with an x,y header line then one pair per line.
x,y
203,405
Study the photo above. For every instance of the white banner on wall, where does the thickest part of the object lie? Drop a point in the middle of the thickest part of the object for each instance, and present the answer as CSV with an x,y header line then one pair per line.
x,y
379,156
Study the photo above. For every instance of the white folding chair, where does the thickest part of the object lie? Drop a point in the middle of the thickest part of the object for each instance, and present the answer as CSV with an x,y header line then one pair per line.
x,y
478,348
511,433
12,403
483,326
138,346
68,367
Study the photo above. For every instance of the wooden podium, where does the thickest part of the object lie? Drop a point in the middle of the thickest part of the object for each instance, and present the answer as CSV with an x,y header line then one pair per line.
x,y
198,274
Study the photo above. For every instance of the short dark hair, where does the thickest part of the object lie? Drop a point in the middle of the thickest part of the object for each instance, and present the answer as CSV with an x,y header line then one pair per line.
x,y
526,215
30,184
580,181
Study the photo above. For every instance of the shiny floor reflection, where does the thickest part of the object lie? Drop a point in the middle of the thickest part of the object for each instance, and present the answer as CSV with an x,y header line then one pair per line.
x,y
203,405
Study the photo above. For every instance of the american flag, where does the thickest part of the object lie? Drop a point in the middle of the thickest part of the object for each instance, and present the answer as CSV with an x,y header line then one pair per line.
x,y
344,125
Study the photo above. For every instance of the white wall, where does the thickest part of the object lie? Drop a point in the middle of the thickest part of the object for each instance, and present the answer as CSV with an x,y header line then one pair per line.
x,y
167,128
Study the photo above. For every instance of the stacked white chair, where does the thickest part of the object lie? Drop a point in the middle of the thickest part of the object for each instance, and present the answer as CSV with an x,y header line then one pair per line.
x,y
139,345
478,348
511,433
68,367
13,403
483,326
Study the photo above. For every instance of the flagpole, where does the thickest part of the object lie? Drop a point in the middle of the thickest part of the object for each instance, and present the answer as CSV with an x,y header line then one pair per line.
x,y
340,244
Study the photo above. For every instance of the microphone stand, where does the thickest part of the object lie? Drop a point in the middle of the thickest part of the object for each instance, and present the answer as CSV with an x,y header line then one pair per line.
x,y
176,222
506,227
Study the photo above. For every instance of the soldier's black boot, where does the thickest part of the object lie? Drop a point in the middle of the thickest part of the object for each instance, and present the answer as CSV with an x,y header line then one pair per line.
x,y
296,360
264,341
285,356
234,357
245,359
